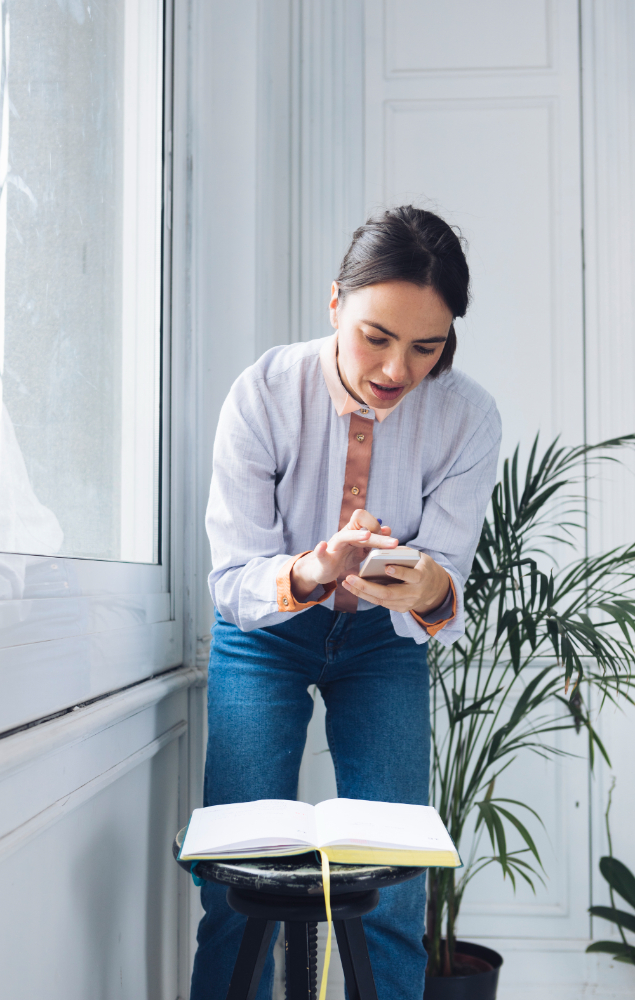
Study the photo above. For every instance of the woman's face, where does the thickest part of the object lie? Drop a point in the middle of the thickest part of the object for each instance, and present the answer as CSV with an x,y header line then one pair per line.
x,y
389,337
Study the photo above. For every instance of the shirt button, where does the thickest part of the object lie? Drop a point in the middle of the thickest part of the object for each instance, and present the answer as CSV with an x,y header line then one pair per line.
x,y
360,437
354,490
285,601
363,411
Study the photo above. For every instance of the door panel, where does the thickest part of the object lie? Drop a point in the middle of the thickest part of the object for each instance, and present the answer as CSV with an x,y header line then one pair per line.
x,y
472,111
496,151
463,35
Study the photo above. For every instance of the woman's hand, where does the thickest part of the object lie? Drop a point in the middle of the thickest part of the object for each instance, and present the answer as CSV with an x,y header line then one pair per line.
x,y
344,551
424,588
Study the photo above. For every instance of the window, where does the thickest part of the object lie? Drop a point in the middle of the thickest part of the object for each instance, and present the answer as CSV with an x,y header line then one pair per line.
x,y
86,601
80,260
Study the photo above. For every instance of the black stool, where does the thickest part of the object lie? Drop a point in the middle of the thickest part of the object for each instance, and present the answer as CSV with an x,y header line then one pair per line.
x,y
267,890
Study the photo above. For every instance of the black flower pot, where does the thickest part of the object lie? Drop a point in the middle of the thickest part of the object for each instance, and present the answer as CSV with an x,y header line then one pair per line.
x,y
480,984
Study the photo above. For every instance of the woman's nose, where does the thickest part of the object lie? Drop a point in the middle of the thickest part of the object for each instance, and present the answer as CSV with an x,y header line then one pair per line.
x,y
394,368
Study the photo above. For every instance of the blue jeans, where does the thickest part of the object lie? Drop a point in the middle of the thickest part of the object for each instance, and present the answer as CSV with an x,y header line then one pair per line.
x,y
375,687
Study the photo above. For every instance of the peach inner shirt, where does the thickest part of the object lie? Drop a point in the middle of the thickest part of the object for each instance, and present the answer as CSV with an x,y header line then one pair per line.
x,y
358,456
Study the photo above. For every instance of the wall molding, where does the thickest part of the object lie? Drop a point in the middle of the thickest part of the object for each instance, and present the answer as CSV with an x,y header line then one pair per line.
x,y
326,153
465,71
23,748
608,82
17,838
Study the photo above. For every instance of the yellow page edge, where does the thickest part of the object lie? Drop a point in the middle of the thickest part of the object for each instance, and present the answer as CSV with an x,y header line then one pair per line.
x,y
350,856
388,856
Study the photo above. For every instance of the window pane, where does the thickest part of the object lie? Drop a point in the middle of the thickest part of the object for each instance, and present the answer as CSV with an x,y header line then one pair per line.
x,y
80,241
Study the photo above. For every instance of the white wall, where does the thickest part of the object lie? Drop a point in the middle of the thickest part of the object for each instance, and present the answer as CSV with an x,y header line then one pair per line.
x,y
609,224
92,900
93,904
492,115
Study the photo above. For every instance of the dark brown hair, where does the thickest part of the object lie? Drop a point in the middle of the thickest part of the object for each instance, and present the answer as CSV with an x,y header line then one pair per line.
x,y
410,244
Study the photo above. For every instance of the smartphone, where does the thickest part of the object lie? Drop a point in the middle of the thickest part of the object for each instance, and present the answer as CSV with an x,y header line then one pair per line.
x,y
374,566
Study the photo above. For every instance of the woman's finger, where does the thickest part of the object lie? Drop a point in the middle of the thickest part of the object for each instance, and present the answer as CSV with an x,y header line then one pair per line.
x,y
409,574
397,592
358,593
361,518
349,536
376,590
379,542
391,598
360,538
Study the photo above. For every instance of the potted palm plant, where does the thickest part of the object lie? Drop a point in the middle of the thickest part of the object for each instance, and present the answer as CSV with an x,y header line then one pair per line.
x,y
533,633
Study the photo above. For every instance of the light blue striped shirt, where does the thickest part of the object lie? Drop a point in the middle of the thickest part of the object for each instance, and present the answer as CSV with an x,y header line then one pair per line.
x,y
278,478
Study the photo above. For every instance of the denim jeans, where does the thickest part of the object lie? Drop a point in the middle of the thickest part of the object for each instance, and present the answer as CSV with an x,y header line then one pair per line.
x,y
375,687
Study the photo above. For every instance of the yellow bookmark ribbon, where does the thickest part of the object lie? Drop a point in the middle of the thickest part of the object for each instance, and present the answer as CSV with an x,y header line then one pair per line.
x,y
326,885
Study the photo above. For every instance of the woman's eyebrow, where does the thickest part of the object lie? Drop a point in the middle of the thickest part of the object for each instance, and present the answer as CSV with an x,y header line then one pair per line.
x,y
419,340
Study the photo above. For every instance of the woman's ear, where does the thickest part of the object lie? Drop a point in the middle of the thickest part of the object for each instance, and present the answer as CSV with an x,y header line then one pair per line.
x,y
333,304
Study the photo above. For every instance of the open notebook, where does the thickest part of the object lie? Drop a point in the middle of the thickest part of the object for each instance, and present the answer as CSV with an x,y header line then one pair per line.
x,y
351,831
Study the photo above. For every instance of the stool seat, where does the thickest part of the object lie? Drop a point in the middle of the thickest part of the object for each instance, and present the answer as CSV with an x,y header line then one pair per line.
x,y
299,875
345,906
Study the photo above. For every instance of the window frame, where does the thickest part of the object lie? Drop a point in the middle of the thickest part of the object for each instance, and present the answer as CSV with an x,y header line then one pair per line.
x,y
92,627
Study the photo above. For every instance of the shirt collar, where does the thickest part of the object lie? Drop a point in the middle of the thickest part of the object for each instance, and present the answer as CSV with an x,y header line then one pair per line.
x,y
342,400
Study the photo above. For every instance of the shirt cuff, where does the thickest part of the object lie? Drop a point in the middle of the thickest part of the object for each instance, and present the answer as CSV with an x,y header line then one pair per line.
x,y
433,627
286,600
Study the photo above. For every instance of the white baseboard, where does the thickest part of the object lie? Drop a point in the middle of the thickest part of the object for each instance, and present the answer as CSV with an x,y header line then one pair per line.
x,y
552,969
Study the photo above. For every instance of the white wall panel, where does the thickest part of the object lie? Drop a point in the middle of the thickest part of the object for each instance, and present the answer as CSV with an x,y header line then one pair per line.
x,y
558,791
423,36
90,907
510,326
93,903
327,151
609,130
473,110
494,147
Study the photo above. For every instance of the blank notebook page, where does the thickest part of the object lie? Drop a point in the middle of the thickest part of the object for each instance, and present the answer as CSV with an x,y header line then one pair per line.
x,y
356,821
266,823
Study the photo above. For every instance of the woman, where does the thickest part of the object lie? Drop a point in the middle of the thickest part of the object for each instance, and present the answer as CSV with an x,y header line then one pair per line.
x,y
324,450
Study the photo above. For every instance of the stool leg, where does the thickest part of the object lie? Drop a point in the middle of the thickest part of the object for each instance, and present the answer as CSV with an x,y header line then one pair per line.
x,y
300,960
355,959
251,959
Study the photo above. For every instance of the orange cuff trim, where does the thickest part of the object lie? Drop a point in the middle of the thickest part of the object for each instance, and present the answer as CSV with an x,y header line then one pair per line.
x,y
286,600
433,627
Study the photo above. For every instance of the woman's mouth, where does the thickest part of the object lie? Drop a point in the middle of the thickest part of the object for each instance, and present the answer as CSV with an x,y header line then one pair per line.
x,y
386,391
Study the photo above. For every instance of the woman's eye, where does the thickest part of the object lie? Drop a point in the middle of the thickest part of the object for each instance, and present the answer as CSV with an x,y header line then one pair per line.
x,y
376,341
424,350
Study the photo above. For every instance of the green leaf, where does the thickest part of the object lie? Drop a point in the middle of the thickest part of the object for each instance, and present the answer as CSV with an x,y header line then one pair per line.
x,y
514,479
524,805
475,707
524,703
485,811
595,739
622,952
523,831
619,878
619,917
500,837
530,464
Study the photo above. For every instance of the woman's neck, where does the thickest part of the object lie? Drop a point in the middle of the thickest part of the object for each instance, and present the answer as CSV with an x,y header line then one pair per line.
x,y
344,380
